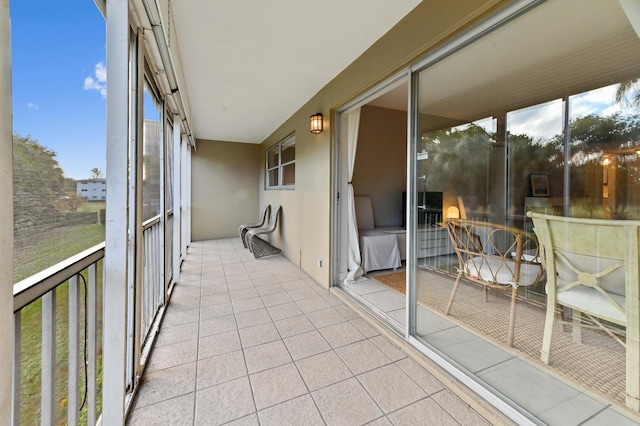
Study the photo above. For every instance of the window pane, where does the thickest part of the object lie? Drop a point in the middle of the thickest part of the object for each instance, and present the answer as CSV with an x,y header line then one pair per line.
x,y
288,151
535,138
281,161
152,143
604,160
273,158
272,178
169,172
289,175
456,162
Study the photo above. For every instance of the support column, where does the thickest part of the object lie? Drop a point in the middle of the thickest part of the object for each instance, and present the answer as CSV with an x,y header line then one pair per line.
x,y
187,196
183,198
6,212
177,186
115,263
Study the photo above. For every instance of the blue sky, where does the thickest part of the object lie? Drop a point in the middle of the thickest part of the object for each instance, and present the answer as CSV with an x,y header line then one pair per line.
x,y
58,57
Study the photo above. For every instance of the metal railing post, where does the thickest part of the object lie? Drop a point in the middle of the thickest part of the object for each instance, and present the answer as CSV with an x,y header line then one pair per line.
x,y
6,211
74,339
48,367
116,264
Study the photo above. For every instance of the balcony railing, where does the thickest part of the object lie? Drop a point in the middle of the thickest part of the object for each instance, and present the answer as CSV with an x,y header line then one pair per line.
x,y
153,288
58,320
70,354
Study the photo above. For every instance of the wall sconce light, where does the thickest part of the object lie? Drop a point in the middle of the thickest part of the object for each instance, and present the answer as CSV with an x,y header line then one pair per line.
x,y
316,123
453,213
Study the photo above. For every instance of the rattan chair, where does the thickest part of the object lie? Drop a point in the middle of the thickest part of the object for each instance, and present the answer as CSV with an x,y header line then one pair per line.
x,y
259,224
494,256
592,267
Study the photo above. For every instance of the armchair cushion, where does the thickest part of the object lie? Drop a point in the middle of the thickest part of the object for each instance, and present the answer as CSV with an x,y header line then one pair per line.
x,y
501,272
592,301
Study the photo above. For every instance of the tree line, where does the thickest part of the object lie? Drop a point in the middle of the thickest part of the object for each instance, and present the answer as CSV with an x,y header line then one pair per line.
x,y
460,161
40,189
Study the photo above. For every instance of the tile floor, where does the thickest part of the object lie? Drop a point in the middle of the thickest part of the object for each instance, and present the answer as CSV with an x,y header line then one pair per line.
x,y
258,342
548,398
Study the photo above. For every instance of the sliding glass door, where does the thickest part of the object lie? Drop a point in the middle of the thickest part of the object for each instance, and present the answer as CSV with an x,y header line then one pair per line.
x,y
538,112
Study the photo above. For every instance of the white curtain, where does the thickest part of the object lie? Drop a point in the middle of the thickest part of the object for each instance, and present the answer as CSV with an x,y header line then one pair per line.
x,y
354,260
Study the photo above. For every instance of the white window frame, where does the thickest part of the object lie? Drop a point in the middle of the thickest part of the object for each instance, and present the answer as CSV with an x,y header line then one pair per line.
x,y
288,141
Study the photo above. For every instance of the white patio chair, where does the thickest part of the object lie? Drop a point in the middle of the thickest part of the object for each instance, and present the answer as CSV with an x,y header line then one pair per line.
x,y
259,224
592,268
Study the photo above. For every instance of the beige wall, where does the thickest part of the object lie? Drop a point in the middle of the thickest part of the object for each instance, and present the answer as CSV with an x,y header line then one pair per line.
x,y
304,234
306,208
225,186
380,170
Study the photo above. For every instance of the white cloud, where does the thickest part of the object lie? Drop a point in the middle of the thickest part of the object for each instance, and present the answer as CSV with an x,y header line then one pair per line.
x,y
32,106
98,81
596,101
539,121
545,120
101,72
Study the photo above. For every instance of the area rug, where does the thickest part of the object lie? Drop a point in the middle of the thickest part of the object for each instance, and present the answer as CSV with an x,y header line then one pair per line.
x,y
598,363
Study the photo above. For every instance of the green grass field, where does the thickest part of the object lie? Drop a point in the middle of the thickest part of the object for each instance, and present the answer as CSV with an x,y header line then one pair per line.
x,y
42,251
92,206
49,247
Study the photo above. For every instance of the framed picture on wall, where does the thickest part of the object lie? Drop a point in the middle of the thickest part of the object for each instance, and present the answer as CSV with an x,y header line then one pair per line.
x,y
540,185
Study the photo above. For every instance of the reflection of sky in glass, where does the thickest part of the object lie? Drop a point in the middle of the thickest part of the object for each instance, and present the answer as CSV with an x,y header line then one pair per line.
x,y
539,121
599,101
545,120
151,111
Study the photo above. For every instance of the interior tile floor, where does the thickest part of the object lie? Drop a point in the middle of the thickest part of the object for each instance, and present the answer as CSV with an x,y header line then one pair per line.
x,y
258,342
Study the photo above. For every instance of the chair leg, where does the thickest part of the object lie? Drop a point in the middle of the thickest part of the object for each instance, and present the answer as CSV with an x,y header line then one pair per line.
x,y
243,233
485,290
512,316
576,319
633,361
548,331
453,294
248,239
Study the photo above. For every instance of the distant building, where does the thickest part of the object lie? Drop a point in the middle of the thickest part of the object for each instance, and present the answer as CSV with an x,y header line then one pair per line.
x,y
92,189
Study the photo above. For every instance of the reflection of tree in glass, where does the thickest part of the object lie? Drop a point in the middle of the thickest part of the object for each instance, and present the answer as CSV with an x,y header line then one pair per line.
x,y
604,133
628,93
527,157
616,137
458,161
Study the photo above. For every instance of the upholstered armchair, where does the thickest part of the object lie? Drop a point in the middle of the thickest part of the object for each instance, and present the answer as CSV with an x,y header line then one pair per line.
x,y
494,256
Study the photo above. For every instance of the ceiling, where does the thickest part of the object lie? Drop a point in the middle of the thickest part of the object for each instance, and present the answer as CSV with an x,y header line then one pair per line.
x,y
249,65
540,57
